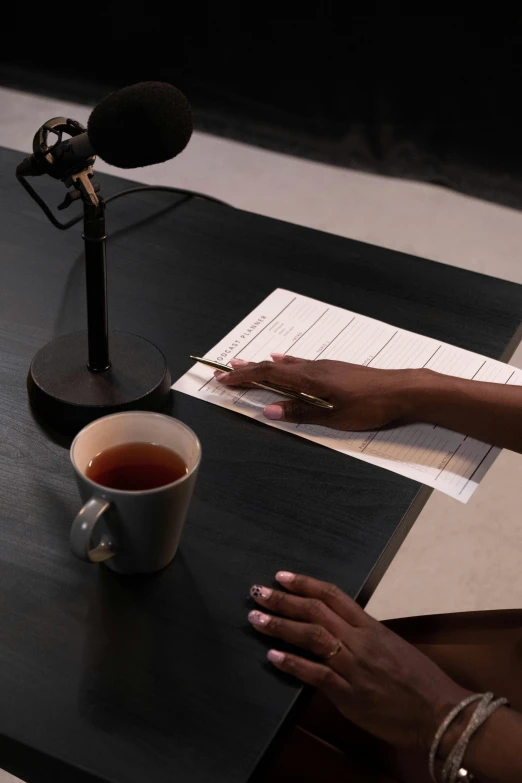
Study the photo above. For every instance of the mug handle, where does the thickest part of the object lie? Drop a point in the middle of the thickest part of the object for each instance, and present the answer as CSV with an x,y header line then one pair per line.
x,y
83,528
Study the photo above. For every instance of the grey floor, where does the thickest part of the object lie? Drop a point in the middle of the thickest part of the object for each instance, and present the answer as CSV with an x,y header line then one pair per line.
x,y
457,557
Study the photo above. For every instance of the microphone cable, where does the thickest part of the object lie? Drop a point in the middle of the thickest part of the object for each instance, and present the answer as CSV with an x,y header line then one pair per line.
x,y
129,191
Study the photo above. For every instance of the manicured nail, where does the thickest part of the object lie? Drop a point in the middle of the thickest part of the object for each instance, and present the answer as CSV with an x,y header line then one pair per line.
x,y
273,412
277,356
274,656
258,618
220,375
238,362
285,577
258,591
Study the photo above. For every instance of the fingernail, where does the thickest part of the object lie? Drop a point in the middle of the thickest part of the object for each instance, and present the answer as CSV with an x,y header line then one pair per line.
x,y
258,591
220,375
273,412
274,656
258,618
285,577
238,362
277,356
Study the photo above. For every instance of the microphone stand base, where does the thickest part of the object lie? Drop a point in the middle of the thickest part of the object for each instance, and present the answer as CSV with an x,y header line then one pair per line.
x,y
65,394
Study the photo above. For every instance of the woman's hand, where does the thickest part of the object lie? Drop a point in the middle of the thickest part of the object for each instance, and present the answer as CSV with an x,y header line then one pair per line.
x,y
373,677
363,398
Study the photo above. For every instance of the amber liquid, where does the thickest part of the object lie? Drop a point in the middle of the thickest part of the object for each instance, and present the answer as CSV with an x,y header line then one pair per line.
x,y
136,466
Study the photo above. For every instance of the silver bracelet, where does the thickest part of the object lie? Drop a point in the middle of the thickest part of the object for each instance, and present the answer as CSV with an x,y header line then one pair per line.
x,y
451,771
448,720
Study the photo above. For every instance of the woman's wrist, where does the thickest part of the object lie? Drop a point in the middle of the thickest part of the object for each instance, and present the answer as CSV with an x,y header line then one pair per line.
x,y
438,710
493,750
454,731
428,393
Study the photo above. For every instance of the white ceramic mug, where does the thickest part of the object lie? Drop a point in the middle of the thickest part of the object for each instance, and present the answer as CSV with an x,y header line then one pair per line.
x,y
136,532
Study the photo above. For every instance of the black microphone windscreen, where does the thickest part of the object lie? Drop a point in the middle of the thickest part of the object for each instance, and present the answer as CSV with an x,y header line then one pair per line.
x,y
145,123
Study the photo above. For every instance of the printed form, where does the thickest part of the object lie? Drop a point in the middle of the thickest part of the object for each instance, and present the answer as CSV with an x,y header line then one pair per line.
x,y
299,326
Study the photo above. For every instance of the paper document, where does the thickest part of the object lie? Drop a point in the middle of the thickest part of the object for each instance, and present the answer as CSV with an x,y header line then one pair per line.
x,y
299,326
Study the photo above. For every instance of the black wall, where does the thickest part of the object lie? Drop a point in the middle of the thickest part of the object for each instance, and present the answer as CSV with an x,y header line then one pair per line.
x,y
433,97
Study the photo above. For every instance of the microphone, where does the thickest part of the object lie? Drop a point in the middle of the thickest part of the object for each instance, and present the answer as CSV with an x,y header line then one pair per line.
x,y
73,380
139,125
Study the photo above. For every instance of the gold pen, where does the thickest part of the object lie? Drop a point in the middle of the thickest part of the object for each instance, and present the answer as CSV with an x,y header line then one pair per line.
x,y
296,395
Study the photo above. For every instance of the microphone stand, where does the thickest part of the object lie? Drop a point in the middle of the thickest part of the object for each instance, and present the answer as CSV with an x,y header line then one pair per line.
x,y
94,237
73,379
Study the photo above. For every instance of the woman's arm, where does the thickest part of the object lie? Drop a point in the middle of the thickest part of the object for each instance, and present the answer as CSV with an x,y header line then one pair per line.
x,y
366,398
491,412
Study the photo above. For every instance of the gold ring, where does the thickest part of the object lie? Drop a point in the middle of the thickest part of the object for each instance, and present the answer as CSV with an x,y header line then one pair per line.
x,y
338,649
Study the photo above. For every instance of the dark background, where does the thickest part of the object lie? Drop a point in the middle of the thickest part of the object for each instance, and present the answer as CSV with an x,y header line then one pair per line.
x,y
427,96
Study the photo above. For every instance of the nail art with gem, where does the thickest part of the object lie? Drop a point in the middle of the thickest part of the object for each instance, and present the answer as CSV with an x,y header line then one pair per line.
x,y
258,591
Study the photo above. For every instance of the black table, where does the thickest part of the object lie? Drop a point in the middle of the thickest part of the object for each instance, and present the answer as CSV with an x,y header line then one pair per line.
x,y
160,679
